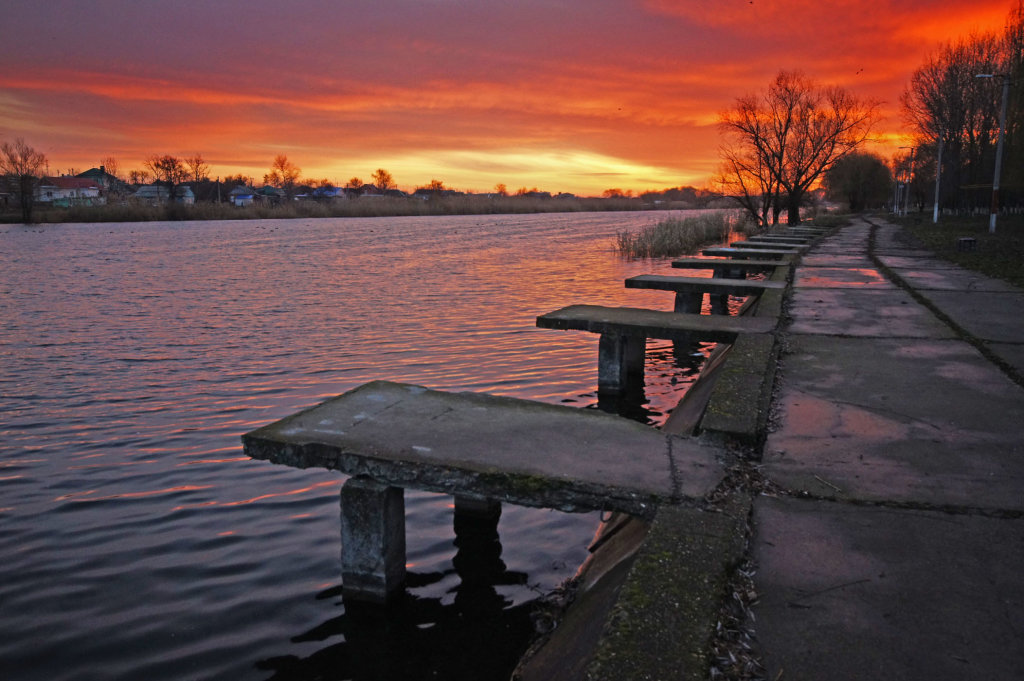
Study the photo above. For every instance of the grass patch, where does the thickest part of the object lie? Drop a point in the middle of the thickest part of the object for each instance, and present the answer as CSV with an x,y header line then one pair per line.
x,y
999,255
676,235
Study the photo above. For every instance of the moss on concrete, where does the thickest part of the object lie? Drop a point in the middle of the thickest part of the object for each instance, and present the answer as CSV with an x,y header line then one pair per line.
x,y
738,408
663,621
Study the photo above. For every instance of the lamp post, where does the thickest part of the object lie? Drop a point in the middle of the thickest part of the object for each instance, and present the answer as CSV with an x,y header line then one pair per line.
x,y
999,148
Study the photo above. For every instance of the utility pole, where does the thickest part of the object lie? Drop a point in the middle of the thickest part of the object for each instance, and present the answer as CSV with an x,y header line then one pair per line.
x,y
938,176
999,147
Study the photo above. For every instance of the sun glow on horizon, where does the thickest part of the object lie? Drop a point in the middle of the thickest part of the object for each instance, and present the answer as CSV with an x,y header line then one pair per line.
x,y
626,97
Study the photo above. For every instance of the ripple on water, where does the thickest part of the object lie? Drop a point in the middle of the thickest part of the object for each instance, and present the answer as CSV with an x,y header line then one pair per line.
x,y
139,543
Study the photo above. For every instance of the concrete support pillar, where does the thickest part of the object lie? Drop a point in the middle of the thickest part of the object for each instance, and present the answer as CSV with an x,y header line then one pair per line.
x,y
689,302
372,539
620,363
720,303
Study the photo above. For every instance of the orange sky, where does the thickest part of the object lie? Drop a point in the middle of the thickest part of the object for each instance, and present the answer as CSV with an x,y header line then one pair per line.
x,y
562,95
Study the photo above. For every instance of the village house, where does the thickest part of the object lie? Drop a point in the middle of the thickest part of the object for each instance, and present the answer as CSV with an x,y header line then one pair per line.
x,y
241,196
69,191
155,194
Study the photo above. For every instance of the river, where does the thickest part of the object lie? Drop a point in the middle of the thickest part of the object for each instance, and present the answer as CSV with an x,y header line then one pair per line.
x,y
138,542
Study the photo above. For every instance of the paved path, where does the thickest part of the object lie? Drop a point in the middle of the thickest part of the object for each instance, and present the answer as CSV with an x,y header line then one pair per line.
x,y
896,550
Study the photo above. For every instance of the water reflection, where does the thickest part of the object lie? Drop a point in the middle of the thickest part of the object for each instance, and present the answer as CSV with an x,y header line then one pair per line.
x,y
135,541
479,634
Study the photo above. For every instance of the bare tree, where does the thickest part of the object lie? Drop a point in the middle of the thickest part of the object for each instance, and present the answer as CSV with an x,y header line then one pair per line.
x,y
354,183
110,166
782,140
22,168
945,102
284,175
138,177
198,168
168,170
383,180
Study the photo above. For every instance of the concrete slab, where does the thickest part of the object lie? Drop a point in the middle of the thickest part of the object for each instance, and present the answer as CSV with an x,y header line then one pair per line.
x,y
823,259
925,421
653,323
951,279
499,448
749,253
736,287
991,316
846,277
1011,353
883,312
716,263
918,262
756,245
852,592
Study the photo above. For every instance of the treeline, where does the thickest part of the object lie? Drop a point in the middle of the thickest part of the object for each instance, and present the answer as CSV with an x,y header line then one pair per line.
x,y
952,106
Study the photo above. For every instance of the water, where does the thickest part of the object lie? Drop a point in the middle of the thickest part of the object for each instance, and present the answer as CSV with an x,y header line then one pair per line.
x,y
139,543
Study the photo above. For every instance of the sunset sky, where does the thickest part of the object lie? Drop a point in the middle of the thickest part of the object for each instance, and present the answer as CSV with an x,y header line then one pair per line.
x,y
562,95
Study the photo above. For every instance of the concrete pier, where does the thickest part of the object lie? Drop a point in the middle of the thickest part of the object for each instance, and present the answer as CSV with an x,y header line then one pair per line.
x,y
625,330
483,449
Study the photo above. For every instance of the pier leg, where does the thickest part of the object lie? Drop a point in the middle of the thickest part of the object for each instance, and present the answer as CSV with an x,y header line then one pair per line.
x,y
689,302
620,363
372,539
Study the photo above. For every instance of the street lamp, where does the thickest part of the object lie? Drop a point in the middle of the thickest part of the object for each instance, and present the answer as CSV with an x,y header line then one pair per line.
x,y
999,148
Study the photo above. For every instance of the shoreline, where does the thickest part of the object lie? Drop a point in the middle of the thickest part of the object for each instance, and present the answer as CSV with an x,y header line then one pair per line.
x,y
352,208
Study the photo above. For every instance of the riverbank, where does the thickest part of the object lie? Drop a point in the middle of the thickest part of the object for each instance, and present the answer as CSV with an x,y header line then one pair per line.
x,y
133,211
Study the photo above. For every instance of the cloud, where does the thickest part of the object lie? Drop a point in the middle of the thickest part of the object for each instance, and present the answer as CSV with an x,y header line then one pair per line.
x,y
582,90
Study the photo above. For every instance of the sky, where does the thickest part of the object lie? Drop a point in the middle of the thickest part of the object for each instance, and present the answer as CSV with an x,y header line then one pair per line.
x,y
562,95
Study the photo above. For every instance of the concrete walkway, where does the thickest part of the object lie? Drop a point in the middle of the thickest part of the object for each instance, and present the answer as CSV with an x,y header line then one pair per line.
x,y
894,546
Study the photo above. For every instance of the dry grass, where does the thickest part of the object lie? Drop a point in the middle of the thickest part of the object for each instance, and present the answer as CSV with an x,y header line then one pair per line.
x,y
999,255
131,211
675,236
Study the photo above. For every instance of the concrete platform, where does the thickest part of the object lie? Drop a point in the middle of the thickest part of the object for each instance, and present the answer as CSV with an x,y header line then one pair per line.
x,y
653,323
735,287
499,448
726,264
750,253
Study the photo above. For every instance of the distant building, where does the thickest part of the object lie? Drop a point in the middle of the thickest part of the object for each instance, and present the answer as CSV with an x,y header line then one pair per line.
x,y
69,191
156,194
242,196
108,184
268,194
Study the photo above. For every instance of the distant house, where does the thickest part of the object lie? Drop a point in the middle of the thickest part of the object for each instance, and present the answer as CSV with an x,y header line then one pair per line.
x,y
428,193
107,183
330,193
155,194
269,194
69,191
242,196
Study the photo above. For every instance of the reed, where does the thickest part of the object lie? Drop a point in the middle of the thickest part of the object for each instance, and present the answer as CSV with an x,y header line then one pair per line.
x,y
133,211
676,235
